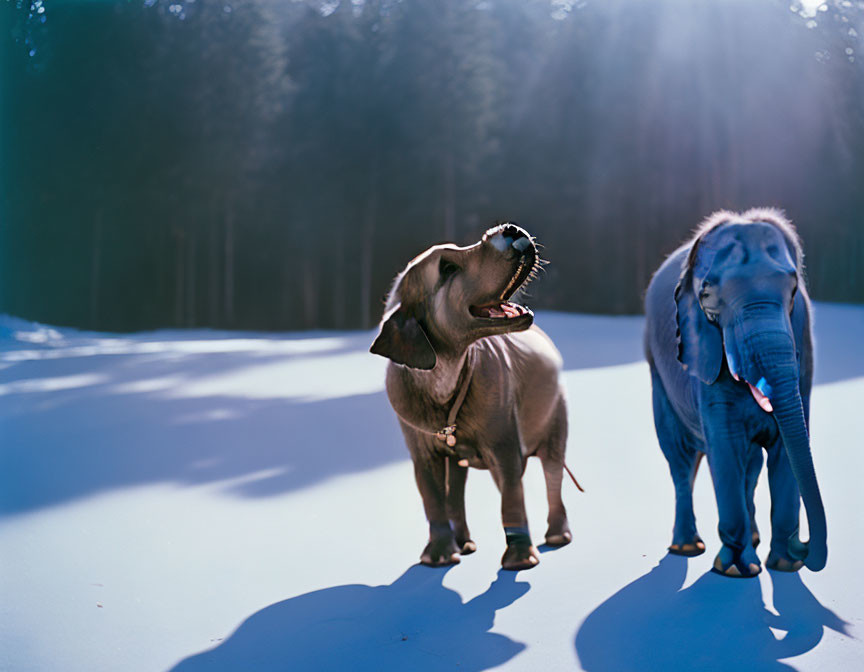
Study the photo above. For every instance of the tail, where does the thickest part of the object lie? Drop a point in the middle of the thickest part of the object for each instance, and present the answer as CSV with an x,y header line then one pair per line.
x,y
575,482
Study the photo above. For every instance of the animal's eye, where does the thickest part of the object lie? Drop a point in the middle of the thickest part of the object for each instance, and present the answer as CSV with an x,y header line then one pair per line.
x,y
446,269
705,297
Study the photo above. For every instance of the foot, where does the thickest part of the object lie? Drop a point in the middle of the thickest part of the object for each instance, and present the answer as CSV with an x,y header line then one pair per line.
x,y
743,565
558,533
518,557
467,547
520,553
780,563
440,552
464,541
695,546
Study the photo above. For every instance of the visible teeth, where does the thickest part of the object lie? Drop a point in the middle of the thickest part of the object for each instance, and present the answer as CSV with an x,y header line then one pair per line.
x,y
512,280
505,309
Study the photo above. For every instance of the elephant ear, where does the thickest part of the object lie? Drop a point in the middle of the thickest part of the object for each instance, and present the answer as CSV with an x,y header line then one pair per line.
x,y
800,320
403,340
700,343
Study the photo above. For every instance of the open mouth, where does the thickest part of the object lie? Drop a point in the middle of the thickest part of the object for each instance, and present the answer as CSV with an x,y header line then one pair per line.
x,y
501,308
761,392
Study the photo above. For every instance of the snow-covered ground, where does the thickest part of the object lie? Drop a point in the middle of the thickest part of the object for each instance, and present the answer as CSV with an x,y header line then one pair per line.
x,y
225,501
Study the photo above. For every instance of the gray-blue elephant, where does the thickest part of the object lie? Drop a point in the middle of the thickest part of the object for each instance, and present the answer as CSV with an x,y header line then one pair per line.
x,y
729,345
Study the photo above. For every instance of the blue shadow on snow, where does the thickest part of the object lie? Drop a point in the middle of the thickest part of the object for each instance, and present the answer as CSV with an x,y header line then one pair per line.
x,y
716,624
415,624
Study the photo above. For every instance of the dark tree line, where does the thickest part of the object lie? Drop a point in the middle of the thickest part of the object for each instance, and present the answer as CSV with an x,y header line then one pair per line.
x,y
271,164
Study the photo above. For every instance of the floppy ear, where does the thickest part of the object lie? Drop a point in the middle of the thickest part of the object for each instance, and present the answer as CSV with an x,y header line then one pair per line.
x,y
403,340
700,343
800,320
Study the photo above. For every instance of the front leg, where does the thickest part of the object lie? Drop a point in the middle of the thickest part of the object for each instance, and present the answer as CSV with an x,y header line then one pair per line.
x,y
507,470
728,457
785,509
754,467
456,477
429,472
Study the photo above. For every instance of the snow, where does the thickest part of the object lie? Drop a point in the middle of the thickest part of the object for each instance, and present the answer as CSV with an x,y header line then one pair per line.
x,y
225,501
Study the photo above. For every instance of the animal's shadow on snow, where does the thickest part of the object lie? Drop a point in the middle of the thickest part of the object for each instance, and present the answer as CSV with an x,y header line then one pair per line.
x,y
415,623
716,624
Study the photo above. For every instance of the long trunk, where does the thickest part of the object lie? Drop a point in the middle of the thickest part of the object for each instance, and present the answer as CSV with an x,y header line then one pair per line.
x,y
764,347
789,413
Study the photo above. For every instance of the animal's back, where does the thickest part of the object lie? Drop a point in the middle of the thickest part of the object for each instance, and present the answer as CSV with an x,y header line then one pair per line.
x,y
660,323
530,363
661,337
540,392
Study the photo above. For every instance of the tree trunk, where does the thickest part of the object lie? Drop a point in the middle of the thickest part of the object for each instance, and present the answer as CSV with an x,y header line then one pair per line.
x,y
367,248
310,292
213,273
190,283
229,266
95,270
339,279
179,276
449,192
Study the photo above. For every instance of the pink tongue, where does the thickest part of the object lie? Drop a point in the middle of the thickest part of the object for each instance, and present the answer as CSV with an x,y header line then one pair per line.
x,y
495,311
511,311
761,399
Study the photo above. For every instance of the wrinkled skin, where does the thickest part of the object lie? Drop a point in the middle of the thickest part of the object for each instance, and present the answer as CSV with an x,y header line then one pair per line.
x,y
448,312
730,351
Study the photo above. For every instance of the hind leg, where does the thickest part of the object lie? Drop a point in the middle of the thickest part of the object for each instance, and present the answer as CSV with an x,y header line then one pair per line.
x,y
456,477
683,462
552,458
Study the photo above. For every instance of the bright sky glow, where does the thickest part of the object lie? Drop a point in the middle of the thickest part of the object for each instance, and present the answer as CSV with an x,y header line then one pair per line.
x,y
810,7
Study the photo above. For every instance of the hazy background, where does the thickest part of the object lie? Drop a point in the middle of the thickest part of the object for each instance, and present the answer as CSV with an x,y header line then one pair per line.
x,y
268,164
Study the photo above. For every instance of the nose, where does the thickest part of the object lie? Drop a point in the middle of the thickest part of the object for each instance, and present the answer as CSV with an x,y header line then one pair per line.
x,y
509,238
